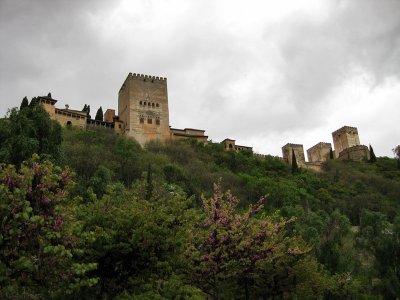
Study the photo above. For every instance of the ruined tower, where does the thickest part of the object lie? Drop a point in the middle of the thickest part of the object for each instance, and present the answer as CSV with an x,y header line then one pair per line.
x,y
143,108
345,137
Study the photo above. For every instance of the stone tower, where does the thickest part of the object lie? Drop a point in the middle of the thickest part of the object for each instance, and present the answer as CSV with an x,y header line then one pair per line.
x,y
319,152
345,137
143,108
298,152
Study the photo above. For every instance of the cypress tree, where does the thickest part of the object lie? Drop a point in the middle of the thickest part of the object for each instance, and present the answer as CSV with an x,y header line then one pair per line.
x,y
149,183
99,114
84,108
295,167
24,103
330,153
33,102
372,157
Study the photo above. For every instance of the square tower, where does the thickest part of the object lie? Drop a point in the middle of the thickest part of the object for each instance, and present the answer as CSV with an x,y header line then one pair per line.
x,y
143,108
298,153
319,152
344,138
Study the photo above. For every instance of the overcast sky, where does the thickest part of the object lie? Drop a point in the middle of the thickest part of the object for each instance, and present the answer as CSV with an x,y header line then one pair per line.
x,y
262,72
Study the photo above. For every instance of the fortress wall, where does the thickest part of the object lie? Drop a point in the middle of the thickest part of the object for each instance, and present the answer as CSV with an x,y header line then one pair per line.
x,y
356,153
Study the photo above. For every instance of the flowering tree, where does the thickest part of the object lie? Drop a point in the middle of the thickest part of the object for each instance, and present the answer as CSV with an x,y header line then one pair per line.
x,y
228,247
36,252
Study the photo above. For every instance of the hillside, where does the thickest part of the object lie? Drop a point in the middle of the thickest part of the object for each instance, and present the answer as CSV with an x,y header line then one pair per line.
x,y
95,215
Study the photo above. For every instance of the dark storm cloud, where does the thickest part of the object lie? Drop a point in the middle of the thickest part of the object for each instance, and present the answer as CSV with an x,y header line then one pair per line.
x,y
265,73
358,36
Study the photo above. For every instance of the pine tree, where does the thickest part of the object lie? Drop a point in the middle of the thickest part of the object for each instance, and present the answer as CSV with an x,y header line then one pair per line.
x,y
99,114
295,167
84,108
372,156
149,183
24,103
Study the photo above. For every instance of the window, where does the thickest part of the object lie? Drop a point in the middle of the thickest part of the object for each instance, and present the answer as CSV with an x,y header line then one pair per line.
x,y
119,125
140,102
149,121
157,104
158,121
152,104
141,120
144,102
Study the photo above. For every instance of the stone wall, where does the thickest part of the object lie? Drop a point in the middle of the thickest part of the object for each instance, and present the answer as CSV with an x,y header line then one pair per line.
x,y
356,153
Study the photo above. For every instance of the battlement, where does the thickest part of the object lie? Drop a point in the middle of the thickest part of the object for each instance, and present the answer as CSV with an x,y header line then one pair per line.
x,y
292,145
145,78
345,129
321,145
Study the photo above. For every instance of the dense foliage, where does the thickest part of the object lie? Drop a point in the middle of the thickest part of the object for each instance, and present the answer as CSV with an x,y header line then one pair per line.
x,y
97,216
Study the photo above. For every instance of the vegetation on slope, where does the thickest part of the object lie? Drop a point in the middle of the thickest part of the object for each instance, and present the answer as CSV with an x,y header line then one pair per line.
x,y
97,216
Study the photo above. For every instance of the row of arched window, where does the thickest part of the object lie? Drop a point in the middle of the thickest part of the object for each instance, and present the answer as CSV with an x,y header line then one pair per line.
x,y
150,104
149,120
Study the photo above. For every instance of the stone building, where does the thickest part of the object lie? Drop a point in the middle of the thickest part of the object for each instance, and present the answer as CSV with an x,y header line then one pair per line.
x,y
298,152
347,144
319,152
143,108
230,145
188,133
63,116
344,138
143,111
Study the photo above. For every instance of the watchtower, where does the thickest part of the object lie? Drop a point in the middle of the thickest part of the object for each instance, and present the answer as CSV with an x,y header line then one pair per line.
x,y
143,108
344,138
298,153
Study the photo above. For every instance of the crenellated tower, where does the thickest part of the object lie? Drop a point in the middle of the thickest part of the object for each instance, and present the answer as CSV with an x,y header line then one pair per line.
x,y
344,138
143,108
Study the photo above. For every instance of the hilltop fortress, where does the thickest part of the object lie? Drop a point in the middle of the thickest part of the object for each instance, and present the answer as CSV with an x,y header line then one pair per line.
x,y
143,114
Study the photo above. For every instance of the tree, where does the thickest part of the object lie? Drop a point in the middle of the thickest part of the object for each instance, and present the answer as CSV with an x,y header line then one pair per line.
x,y
29,131
396,152
24,103
330,153
149,183
372,156
37,257
227,247
99,114
295,167
381,239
